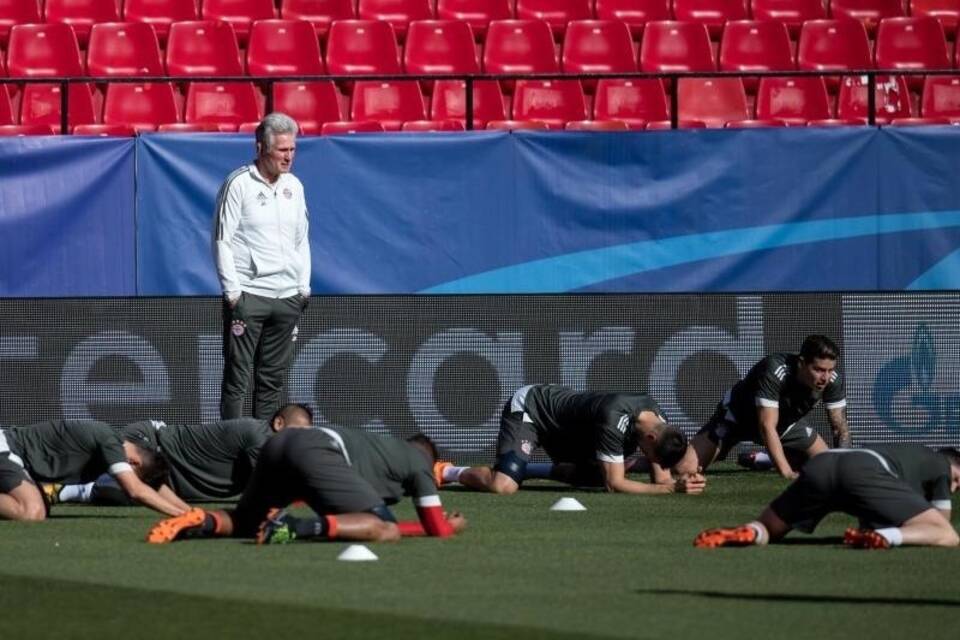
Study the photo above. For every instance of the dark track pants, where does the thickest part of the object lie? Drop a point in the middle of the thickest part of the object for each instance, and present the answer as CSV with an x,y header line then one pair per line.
x,y
258,334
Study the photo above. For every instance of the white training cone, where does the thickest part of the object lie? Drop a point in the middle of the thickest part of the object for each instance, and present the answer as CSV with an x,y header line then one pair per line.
x,y
567,504
357,553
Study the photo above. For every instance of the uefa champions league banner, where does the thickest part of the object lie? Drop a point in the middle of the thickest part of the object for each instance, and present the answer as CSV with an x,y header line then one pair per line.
x,y
531,212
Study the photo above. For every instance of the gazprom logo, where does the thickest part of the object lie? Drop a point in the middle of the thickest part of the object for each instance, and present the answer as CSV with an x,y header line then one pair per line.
x,y
904,391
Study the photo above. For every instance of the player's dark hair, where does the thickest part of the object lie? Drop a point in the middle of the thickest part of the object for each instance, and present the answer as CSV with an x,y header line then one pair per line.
x,y
952,455
292,410
818,346
671,445
153,466
425,443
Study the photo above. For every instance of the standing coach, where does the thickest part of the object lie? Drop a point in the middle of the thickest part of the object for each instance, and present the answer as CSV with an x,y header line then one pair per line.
x,y
261,248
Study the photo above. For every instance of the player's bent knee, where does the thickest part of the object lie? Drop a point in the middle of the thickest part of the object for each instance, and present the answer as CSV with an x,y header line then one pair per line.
x,y
503,485
387,532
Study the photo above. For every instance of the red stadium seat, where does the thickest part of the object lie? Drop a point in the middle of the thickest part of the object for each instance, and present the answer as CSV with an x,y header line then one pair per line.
x,y
793,100
7,116
160,14
440,47
597,125
203,48
713,13
749,45
892,98
389,103
240,14
225,104
9,130
941,97
283,48
449,102
356,47
598,46
838,122
919,122
104,130
755,124
635,102
81,15
713,101
869,12
828,45
912,44
554,102
341,128
43,50
478,13
663,125
123,49
556,13
189,127
13,12
399,13
516,125
40,104
676,46
636,13
946,11
143,106
319,13
309,103
519,46
792,13
432,125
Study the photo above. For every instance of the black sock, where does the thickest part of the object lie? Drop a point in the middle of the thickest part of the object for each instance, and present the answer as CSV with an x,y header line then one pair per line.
x,y
205,530
307,528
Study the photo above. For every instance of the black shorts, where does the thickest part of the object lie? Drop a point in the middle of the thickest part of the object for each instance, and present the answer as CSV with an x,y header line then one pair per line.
x,y
852,481
726,433
302,464
520,437
12,475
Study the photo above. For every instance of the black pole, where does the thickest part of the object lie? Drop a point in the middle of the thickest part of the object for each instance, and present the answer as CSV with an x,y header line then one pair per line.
x,y
674,103
871,99
469,105
64,106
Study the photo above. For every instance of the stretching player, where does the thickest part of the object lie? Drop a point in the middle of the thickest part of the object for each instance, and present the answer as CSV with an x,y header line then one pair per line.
x,y
76,451
900,493
587,435
347,476
767,405
206,463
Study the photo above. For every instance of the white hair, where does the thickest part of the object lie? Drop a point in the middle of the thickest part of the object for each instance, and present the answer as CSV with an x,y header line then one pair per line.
x,y
272,125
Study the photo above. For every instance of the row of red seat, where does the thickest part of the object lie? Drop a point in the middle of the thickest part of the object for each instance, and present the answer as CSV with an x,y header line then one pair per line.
x,y
280,47
712,102
82,14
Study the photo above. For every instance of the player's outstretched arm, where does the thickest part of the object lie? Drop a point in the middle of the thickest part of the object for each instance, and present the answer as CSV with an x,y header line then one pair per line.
x,y
768,417
144,494
433,521
615,480
168,494
838,423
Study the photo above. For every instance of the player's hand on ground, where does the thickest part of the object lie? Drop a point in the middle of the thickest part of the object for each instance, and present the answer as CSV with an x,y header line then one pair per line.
x,y
457,521
790,475
690,483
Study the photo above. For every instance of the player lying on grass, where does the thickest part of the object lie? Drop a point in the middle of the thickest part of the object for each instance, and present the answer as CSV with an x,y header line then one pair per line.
x,y
900,493
347,476
205,463
767,405
76,451
587,436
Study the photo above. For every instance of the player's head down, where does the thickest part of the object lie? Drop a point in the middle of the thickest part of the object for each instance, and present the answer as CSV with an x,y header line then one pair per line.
x,y
291,415
426,445
669,445
818,361
147,462
954,457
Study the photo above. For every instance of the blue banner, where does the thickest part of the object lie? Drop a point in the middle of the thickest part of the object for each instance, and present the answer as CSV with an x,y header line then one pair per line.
x,y
67,217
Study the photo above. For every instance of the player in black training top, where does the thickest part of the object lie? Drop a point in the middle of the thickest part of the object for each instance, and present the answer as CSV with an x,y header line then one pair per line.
x,y
767,406
900,494
587,436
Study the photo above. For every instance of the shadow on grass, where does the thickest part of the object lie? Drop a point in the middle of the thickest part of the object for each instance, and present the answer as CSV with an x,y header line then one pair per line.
x,y
802,597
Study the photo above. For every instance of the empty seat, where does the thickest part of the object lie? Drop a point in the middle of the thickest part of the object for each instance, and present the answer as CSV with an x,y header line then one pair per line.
x,y
556,13
635,102
755,124
13,12
43,50
203,48
224,104
750,45
478,13
597,125
389,103
946,11
676,46
342,128
793,100
189,127
309,103
869,12
143,106
81,15
124,49
440,47
432,125
6,108
892,98
40,104
319,13
713,101
104,130
399,13
941,97
449,102
240,14
713,13
519,46
8,130
635,13
283,48
598,46
516,125
827,45
362,47
912,43
160,14
792,13
664,125
554,102
920,122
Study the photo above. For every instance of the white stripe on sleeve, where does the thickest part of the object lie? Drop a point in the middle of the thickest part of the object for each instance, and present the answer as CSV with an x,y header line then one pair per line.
x,y
427,501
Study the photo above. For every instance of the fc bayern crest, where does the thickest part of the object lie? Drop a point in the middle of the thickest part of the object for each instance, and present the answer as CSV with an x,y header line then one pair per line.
x,y
238,328
526,446
287,193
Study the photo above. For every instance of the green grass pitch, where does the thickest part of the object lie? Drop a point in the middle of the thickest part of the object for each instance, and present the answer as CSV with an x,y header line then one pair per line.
x,y
625,568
